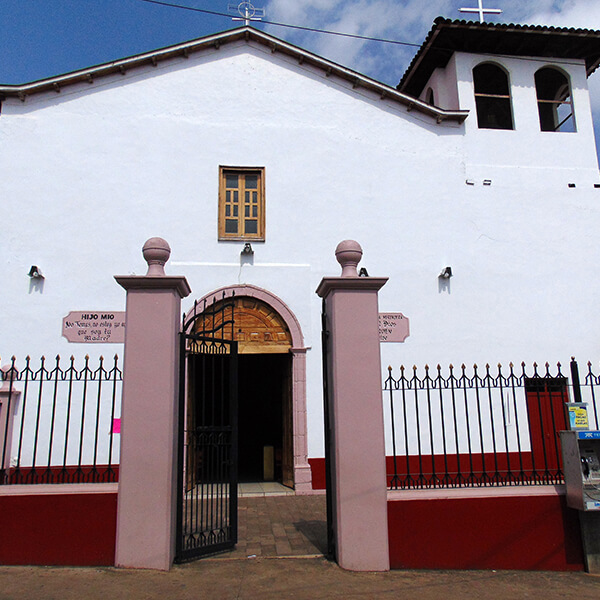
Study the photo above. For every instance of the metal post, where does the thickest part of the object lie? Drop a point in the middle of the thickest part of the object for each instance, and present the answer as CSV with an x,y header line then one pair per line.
x,y
575,380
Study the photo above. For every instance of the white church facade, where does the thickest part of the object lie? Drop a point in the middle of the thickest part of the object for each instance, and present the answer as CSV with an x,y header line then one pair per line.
x,y
253,158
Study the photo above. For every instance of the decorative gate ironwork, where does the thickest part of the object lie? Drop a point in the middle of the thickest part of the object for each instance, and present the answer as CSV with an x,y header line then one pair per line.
x,y
207,485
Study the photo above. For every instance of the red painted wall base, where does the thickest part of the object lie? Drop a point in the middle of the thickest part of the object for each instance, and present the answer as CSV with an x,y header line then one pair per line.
x,y
58,529
507,532
317,468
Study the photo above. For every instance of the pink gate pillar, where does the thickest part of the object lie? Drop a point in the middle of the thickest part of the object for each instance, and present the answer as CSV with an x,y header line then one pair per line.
x,y
357,447
146,513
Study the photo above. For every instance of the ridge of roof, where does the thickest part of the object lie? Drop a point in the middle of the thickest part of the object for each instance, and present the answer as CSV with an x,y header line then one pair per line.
x,y
247,33
450,35
524,26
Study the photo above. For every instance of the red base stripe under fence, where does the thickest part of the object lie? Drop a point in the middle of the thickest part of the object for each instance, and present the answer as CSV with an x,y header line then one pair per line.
x,y
60,474
460,470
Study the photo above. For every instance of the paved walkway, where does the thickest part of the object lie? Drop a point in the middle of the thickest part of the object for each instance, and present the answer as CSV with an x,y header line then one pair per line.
x,y
280,526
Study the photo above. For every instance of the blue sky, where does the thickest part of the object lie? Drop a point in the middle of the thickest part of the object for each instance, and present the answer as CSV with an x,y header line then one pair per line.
x,y
42,38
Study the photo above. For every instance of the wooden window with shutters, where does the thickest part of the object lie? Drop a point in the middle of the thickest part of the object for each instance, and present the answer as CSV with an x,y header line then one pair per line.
x,y
241,203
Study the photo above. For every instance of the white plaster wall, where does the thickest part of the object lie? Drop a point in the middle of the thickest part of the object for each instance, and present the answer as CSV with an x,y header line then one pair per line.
x,y
443,82
87,175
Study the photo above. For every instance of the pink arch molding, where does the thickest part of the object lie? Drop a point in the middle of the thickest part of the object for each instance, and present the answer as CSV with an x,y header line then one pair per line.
x,y
302,471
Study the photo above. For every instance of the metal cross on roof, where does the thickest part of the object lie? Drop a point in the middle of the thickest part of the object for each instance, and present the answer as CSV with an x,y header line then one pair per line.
x,y
481,11
247,11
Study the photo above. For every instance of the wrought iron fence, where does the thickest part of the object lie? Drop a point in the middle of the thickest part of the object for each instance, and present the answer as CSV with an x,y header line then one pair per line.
x,y
58,422
481,427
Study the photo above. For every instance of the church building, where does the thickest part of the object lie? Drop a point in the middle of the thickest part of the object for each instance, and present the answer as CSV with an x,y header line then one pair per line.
x,y
473,185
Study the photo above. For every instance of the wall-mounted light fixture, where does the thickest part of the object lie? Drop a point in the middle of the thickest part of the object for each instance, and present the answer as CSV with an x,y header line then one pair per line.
x,y
247,250
446,273
35,272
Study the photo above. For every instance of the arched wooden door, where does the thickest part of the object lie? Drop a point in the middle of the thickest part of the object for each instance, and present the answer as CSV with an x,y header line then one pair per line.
x,y
265,415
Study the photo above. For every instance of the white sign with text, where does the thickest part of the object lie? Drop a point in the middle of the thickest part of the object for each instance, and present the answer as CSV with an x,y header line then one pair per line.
x,y
94,327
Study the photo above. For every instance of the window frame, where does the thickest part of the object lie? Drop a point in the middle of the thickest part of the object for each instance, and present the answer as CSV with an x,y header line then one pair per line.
x,y
481,97
239,235
555,104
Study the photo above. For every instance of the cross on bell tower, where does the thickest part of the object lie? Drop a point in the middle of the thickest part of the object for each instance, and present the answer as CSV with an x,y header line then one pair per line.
x,y
482,11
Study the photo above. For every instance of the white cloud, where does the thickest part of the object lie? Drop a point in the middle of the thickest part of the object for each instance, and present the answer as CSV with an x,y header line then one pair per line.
x,y
404,20
290,11
568,13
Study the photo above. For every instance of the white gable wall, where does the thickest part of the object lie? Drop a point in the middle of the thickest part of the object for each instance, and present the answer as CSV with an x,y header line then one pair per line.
x,y
89,174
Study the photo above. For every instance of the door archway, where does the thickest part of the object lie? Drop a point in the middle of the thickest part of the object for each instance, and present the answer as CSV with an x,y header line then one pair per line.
x,y
272,364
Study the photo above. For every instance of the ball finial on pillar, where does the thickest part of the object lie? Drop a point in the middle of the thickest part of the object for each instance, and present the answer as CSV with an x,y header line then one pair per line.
x,y
156,253
348,253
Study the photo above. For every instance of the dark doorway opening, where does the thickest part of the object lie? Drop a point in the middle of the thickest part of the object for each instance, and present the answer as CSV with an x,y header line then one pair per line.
x,y
264,417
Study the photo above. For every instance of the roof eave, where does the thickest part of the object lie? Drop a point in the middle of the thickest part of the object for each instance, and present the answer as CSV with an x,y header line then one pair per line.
x,y
410,85
248,33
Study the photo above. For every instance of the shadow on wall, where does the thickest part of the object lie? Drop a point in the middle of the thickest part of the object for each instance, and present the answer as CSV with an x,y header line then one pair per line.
x,y
444,281
444,286
36,285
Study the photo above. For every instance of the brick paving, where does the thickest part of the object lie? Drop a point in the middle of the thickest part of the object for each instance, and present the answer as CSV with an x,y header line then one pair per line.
x,y
280,526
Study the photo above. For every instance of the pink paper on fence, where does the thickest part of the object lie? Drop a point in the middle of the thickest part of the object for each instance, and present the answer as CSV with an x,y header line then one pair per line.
x,y
116,426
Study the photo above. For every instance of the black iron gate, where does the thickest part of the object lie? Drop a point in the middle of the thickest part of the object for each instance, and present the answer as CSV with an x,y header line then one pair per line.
x,y
207,474
331,539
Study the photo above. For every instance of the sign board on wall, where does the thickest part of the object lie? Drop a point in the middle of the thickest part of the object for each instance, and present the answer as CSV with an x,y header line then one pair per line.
x,y
578,415
94,327
393,327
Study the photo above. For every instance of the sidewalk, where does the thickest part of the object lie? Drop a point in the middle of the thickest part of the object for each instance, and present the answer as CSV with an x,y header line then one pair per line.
x,y
281,578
